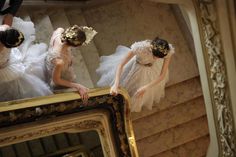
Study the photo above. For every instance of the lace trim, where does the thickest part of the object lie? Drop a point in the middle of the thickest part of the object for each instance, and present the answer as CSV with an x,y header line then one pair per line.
x,y
141,45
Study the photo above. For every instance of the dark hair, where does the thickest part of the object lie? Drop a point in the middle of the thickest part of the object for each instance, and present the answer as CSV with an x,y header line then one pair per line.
x,y
11,38
73,36
160,47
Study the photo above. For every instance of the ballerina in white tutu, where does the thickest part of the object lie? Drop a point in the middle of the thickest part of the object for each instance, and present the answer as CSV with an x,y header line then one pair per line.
x,y
59,58
18,66
142,70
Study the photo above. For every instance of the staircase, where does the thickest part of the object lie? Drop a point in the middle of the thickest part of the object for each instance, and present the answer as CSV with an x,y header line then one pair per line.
x,y
177,126
56,145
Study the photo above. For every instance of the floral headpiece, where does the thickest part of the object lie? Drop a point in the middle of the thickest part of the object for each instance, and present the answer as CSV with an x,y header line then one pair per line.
x,y
163,49
71,35
89,33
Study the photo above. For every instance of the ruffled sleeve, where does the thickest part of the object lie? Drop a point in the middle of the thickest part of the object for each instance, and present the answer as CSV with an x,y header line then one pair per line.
x,y
135,46
141,46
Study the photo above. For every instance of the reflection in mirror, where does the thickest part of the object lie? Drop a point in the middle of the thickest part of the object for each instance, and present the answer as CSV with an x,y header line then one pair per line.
x,y
84,144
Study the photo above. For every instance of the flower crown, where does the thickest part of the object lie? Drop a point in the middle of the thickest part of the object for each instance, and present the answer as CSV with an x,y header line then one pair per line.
x,y
89,33
163,49
70,35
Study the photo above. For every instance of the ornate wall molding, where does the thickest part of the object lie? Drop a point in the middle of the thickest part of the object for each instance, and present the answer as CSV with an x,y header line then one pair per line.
x,y
209,25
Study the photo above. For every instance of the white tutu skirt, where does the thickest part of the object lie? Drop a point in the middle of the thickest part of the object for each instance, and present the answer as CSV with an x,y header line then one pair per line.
x,y
24,74
133,77
25,86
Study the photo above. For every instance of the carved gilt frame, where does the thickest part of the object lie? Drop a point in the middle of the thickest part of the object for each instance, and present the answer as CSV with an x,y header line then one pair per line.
x,y
108,115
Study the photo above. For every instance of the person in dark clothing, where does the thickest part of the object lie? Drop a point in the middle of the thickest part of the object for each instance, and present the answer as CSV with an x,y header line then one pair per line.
x,y
8,9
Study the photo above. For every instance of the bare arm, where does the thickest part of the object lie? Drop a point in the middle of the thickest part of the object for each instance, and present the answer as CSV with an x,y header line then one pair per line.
x,y
58,62
114,89
56,76
120,67
140,92
7,19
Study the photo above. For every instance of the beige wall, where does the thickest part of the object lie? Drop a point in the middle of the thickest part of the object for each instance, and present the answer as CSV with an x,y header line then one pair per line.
x,y
125,22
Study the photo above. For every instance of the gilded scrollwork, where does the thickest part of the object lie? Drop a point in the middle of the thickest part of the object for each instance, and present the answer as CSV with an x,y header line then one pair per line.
x,y
218,77
115,106
84,125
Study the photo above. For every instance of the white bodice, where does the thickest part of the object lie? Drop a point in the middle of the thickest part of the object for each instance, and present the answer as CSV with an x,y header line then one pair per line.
x,y
143,52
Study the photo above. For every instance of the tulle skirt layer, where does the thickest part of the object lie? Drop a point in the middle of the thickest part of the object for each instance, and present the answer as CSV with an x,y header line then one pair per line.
x,y
133,77
25,86
24,74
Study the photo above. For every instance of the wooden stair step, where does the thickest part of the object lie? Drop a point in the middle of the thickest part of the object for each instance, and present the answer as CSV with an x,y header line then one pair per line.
x,y
173,137
169,118
73,139
22,150
87,137
61,141
42,24
98,152
23,14
196,148
58,18
7,151
174,95
49,144
36,147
